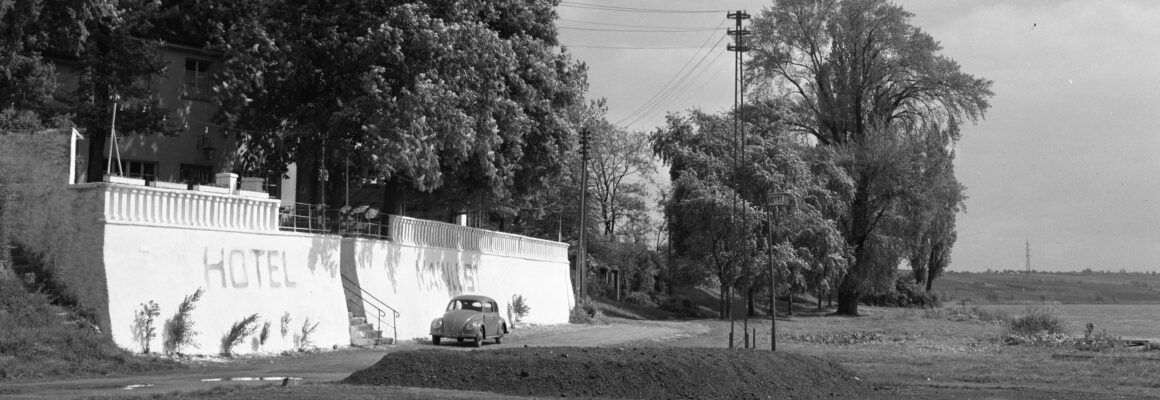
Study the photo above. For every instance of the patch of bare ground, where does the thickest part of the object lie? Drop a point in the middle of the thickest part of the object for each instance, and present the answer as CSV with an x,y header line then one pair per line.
x,y
618,372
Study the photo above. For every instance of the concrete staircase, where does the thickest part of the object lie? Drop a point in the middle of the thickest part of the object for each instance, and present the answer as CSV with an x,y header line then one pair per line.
x,y
363,334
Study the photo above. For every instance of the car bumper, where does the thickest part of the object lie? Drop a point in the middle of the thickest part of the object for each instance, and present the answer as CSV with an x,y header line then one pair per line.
x,y
458,334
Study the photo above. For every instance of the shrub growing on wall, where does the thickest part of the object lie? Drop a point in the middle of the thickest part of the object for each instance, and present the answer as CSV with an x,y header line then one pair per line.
x,y
143,329
304,342
179,329
238,332
519,308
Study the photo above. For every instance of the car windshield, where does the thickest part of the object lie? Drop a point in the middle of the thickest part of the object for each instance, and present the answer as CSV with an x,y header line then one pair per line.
x,y
465,305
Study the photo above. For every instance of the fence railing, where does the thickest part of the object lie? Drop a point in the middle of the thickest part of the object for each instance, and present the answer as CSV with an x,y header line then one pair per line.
x,y
361,221
188,208
440,234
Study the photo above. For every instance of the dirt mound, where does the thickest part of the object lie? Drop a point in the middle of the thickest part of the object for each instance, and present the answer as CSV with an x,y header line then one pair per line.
x,y
640,373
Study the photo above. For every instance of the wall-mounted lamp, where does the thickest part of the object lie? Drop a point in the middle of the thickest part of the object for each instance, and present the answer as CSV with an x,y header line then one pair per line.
x,y
207,150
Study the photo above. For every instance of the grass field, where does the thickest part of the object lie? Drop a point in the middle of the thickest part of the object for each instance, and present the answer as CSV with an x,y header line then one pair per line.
x,y
1042,288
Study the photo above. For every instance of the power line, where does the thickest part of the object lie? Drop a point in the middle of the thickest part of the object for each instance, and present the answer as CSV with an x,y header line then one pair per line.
x,y
582,46
638,30
678,98
579,21
635,10
678,90
669,86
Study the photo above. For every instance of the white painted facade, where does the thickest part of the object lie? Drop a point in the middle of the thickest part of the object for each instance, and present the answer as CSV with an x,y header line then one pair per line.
x,y
411,273
129,244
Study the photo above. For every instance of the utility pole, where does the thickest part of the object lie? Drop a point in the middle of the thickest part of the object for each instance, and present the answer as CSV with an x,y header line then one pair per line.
x,y
739,49
581,255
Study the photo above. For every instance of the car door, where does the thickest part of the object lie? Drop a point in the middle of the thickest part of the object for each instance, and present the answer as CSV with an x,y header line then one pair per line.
x,y
496,319
488,317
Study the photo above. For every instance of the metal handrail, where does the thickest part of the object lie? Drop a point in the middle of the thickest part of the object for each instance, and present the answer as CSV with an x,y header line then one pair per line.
x,y
395,313
348,222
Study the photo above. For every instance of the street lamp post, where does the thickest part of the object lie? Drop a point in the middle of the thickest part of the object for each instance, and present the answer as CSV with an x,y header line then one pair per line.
x,y
775,200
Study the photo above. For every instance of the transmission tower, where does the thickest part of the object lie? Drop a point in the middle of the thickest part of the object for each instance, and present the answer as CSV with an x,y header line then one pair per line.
x,y
1027,263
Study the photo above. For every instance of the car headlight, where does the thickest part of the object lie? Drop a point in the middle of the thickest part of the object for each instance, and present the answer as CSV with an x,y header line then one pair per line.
x,y
472,325
437,323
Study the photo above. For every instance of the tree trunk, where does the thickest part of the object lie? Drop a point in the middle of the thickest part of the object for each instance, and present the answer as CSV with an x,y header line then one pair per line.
x,y
856,237
97,132
790,306
848,297
819,299
919,270
749,295
721,302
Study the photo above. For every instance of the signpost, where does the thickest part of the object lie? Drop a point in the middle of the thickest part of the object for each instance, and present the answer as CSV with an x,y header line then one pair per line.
x,y
775,201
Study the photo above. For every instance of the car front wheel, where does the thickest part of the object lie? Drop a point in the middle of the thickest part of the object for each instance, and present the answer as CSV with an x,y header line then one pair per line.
x,y
435,340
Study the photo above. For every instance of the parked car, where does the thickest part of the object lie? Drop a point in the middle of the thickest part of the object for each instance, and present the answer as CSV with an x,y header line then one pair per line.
x,y
469,317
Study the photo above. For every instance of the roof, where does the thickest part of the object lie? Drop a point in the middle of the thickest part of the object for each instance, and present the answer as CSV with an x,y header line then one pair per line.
x,y
472,297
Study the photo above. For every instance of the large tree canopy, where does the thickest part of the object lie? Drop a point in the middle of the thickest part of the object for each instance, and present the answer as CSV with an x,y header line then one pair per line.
x,y
468,97
104,43
718,210
861,79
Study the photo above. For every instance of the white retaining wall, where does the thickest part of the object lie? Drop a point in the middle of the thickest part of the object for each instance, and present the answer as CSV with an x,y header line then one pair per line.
x,y
419,280
119,246
270,274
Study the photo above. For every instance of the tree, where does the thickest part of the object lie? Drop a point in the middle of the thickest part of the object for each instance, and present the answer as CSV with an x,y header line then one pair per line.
x,y
106,45
469,98
621,165
929,233
712,202
707,224
859,78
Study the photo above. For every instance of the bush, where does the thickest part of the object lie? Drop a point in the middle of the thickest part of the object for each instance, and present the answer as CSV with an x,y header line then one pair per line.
x,y
640,299
285,324
264,334
238,333
973,313
840,338
304,342
519,307
1037,321
586,312
144,331
906,293
179,329
1097,341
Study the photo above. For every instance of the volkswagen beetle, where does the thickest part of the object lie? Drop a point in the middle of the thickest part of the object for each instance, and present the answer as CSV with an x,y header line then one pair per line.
x,y
469,317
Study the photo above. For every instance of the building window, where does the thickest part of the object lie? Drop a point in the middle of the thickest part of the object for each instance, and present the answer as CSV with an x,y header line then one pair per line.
x,y
146,170
197,80
196,174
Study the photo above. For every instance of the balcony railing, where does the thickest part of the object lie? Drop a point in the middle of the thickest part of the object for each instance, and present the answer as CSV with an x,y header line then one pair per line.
x,y
360,221
186,208
439,234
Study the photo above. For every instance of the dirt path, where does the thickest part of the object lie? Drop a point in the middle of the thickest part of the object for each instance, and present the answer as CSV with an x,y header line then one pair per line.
x,y
334,365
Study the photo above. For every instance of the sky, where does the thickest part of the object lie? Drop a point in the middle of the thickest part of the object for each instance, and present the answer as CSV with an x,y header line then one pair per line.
x,y
1067,159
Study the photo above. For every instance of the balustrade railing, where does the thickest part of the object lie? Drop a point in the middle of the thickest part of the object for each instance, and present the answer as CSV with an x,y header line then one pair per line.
x,y
439,234
187,208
